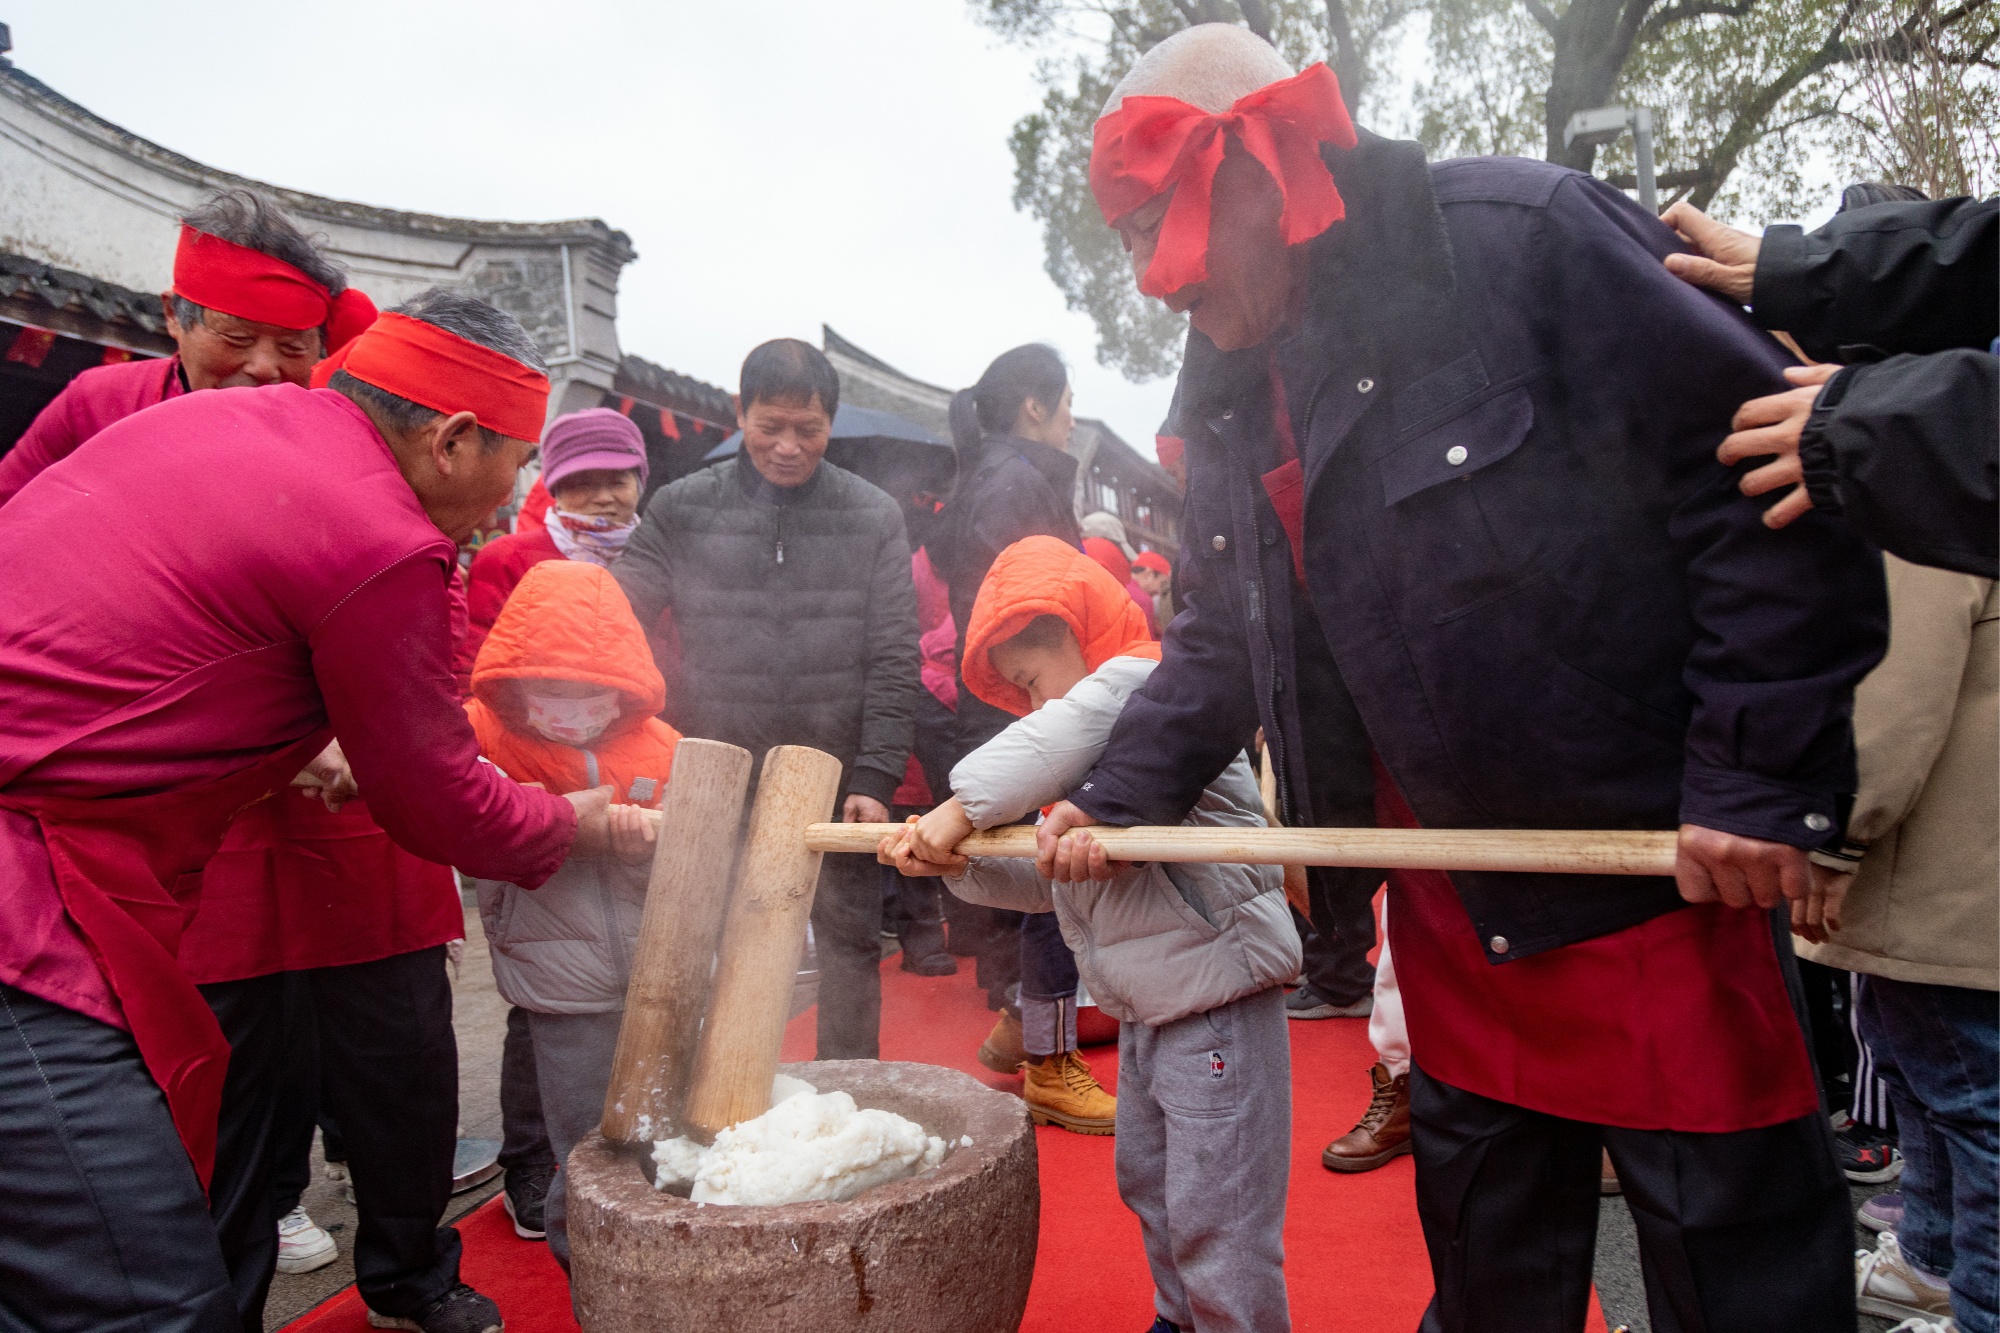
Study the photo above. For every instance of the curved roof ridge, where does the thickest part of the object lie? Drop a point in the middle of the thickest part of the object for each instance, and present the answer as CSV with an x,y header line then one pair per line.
x,y
81,118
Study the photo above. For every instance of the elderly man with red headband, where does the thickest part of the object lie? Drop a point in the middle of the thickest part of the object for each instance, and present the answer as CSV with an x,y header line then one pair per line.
x,y
183,662
316,929
1457,539
253,302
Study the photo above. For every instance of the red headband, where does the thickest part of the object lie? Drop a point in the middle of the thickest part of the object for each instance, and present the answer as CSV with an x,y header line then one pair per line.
x,y
446,373
250,284
1150,145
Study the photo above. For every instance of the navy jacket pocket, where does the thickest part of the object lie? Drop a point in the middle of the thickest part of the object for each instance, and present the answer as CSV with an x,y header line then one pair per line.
x,y
1456,448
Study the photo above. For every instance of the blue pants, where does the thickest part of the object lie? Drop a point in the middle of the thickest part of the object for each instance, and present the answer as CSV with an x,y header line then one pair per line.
x,y
1938,1048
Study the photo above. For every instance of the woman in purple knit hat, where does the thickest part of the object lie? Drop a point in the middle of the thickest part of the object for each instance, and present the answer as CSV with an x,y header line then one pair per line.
x,y
594,466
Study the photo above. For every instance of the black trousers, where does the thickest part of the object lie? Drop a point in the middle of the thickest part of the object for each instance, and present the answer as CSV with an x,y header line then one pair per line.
x,y
1338,935
524,1134
847,936
1738,1233
390,1064
103,1228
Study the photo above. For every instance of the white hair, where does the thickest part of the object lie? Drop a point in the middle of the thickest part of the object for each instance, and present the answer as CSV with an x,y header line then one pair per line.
x,y
1210,65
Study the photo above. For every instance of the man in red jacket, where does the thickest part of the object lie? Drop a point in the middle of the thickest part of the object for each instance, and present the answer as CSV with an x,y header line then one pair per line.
x,y
204,660
296,889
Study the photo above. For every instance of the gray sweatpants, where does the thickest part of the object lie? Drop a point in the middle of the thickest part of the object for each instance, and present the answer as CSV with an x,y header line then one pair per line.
x,y
573,1066
1204,1159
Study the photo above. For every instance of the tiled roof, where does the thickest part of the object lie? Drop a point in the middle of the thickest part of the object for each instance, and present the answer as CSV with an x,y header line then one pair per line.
x,y
661,387
58,289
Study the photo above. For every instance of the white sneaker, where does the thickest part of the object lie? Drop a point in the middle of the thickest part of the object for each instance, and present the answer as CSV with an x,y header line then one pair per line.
x,y
302,1246
1885,1283
1922,1325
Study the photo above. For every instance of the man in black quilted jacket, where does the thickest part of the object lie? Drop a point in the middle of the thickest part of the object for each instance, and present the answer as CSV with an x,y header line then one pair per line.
x,y
786,581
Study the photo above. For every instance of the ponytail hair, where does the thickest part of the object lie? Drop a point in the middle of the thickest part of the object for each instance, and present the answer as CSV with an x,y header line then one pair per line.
x,y
990,407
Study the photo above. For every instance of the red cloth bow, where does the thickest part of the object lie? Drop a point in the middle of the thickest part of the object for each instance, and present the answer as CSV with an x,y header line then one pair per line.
x,y
1150,145
444,372
250,284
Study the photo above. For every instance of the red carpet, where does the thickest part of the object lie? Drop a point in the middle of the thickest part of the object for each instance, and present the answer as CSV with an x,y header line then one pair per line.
x,y
1355,1255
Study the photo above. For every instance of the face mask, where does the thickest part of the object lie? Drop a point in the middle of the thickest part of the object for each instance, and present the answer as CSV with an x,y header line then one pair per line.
x,y
571,721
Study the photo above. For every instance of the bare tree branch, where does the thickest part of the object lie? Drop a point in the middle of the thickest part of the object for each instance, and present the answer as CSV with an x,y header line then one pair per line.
x,y
1543,15
1257,15
1692,9
1346,55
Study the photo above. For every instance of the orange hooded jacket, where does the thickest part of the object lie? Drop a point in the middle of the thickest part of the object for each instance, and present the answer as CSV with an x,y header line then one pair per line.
x,y
569,620
1042,576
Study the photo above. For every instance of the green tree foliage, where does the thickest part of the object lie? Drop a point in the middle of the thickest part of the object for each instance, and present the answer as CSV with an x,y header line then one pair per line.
x,y
1754,102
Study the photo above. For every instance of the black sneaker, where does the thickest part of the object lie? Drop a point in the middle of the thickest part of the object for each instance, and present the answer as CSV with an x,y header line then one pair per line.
x,y
460,1310
1867,1155
527,1188
939,964
1308,1002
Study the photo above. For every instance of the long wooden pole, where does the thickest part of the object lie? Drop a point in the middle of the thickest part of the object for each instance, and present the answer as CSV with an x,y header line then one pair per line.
x,y
1563,851
675,951
762,937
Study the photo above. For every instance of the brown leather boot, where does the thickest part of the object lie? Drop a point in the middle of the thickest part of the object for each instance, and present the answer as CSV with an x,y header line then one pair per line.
x,y
1384,1131
1003,1050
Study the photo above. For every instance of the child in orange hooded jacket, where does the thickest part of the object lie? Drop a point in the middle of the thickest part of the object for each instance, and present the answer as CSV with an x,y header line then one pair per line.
x,y
563,694
1191,959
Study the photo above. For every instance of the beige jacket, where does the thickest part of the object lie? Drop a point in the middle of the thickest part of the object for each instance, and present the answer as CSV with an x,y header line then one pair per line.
x,y
1925,904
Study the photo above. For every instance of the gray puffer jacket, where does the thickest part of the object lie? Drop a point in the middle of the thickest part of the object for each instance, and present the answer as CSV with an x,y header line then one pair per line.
x,y
1159,942
565,948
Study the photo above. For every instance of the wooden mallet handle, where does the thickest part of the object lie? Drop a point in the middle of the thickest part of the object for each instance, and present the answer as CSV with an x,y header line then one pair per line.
x,y
762,937
675,952
1562,851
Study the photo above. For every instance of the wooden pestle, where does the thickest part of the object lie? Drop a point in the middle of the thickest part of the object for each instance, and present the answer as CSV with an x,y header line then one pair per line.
x,y
762,937
1561,851
675,952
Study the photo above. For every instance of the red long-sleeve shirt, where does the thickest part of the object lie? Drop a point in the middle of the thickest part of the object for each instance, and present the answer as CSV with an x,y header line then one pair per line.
x,y
208,581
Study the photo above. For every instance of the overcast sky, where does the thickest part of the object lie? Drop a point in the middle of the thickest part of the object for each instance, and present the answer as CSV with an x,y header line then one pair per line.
x,y
777,163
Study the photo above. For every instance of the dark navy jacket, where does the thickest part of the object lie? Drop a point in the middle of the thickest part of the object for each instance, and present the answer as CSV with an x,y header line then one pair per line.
x,y
1534,593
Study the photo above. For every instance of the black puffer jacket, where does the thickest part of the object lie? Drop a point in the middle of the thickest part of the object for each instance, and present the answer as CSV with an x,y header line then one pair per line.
x,y
1905,441
795,613
1016,488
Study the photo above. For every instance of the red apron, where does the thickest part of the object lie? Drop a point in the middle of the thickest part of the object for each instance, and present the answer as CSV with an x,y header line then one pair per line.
x,y
129,870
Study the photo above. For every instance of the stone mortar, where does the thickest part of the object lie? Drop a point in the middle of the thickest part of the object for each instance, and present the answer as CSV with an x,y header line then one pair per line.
x,y
953,1249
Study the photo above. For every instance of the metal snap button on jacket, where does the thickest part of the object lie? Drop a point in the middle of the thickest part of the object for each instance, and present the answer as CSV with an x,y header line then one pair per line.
x,y
1498,944
1455,455
1818,823
1364,386
1220,542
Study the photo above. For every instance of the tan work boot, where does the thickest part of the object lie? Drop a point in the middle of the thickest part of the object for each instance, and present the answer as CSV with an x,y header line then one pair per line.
x,y
1003,1050
1384,1131
1061,1090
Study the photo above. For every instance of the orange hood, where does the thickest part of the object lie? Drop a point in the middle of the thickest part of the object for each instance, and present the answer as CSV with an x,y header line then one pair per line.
x,y
569,620
1042,576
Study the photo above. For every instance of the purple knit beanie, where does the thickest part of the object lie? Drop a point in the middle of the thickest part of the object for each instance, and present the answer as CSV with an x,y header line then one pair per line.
x,y
596,437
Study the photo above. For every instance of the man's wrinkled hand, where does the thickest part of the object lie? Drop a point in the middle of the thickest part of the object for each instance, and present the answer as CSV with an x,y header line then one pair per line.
x,y
1724,259
632,833
1771,427
1816,916
1711,866
1066,853
329,777
593,820
859,809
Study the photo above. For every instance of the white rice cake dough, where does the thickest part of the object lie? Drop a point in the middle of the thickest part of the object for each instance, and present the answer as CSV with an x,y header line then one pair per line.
x,y
808,1146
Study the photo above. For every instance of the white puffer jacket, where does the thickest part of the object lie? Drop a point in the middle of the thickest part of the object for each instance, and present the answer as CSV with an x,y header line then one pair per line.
x,y
1158,942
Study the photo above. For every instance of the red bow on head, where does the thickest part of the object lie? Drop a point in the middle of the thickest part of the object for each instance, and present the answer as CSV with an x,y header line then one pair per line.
x,y
249,284
1150,145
